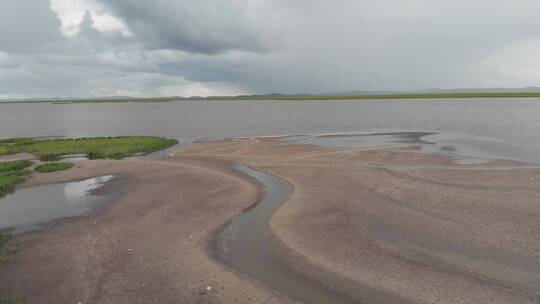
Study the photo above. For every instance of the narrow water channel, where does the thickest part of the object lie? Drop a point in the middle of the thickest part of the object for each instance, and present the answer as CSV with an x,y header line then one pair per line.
x,y
243,246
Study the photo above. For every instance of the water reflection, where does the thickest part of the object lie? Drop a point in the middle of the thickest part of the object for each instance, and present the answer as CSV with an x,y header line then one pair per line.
x,y
27,208
463,149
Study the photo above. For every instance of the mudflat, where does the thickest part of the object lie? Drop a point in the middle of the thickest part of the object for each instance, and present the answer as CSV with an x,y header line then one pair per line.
x,y
149,245
385,225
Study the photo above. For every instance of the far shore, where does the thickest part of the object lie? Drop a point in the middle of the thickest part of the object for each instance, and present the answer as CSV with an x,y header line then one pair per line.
x,y
385,225
283,97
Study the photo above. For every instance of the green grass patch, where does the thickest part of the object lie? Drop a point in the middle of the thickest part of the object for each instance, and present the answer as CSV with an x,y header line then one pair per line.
x,y
8,183
94,148
11,174
53,167
4,252
11,166
9,300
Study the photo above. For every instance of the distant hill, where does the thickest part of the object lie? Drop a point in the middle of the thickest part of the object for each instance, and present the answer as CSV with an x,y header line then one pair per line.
x,y
418,94
437,90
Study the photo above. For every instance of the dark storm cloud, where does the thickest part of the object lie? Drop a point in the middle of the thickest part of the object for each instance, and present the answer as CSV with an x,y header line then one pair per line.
x,y
201,47
198,26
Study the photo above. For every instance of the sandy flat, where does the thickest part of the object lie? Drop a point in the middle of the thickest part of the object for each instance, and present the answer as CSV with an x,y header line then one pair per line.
x,y
148,246
403,223
377,224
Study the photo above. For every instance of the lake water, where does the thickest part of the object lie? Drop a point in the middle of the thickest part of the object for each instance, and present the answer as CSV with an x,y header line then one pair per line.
x,y
497,128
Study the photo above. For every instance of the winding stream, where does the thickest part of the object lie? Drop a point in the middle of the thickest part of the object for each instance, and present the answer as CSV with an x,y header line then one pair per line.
x,y
243,246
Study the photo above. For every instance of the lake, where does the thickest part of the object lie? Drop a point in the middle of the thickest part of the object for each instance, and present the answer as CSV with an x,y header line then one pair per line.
x,y
485,128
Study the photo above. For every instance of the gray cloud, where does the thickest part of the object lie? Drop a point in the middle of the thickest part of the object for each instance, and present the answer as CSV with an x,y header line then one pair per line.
x,y
198,26
185,47
27,26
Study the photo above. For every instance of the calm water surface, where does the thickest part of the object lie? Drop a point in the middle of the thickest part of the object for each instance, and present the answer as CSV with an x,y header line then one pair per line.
x,y
499,128
243,246
27,208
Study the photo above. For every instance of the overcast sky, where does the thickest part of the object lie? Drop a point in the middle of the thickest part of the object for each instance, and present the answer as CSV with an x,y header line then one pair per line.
x,y
89,48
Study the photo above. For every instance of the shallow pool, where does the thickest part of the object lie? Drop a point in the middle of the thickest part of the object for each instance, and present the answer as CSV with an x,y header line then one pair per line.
x,y
28,208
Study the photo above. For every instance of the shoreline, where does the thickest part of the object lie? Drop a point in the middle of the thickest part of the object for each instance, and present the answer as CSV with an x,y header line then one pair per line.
x,y
284,97
330,185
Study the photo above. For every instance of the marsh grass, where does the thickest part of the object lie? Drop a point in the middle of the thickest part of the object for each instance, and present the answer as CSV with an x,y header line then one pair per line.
x,y
4,254
11,174
53,167
17,165
9,300
94,148
4,238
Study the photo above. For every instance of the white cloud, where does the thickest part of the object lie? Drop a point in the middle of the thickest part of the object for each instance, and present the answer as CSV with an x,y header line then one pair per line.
x,y
517,64
71,13
190,88
205,47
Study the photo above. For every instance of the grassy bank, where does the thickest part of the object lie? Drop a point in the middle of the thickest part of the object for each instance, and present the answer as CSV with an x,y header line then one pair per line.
x,y
3,248
93,148
9,300
4,253
115,100
53,167
381,96
11,174
438,95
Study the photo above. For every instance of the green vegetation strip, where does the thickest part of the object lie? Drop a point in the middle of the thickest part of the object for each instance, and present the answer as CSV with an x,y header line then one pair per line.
x,y
299,97
93,148
9,300
378,96
11,174
3,248
53,167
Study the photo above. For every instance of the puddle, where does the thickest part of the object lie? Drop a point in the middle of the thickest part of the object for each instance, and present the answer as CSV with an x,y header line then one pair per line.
x,y
28,208
243,246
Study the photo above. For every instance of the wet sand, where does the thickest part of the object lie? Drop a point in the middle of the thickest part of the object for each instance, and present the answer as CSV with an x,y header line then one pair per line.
x,y
149,245
385,225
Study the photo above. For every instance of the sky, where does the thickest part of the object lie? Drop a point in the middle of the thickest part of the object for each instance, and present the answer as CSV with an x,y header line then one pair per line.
x,y
93,48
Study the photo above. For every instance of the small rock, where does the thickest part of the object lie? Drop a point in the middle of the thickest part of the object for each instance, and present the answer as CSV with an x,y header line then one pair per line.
x,y
208,288
129,249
